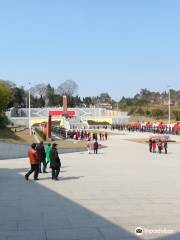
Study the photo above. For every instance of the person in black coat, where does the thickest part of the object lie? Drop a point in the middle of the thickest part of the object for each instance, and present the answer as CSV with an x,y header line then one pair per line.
x,y
165,146
96,145
42,156
150,145
55,163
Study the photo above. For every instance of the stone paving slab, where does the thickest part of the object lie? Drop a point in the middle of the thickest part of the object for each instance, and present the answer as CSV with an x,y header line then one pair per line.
x,y
104,196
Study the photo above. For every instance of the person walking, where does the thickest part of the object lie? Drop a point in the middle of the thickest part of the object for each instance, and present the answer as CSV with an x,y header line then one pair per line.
x,y
89,145
47,150
165,146
150,144
154,145
100,136
106,135
55,163
42,156
34,161
96,145
159,143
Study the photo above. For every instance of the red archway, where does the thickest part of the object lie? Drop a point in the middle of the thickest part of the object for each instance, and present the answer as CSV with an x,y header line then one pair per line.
x,y
64,112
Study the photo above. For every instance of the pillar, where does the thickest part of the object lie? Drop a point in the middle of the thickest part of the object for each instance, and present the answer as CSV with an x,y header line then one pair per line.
x,y
64,105
49,127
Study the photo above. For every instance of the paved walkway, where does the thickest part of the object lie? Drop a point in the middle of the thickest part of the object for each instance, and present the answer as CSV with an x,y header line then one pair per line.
x,y
99,197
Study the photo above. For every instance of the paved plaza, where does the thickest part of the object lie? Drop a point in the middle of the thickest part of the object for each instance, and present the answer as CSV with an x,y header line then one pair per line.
x,y
99,197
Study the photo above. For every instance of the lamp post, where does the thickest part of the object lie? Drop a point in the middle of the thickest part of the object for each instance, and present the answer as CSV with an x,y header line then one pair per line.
x,y
169,107
26,105
30,108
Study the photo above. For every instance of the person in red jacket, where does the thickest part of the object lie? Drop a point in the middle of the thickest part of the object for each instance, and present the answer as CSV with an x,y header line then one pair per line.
x,y
154,145
34,161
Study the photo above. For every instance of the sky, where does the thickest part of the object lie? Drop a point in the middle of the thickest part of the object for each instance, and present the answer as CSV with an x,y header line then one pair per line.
x,y
114,46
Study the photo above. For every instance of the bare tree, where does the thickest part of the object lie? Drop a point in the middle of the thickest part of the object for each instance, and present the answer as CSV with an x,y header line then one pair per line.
x,y
39,90
68,88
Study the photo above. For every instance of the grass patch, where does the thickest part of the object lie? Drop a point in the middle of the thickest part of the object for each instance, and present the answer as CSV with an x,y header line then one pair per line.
x,y
16,135
21,136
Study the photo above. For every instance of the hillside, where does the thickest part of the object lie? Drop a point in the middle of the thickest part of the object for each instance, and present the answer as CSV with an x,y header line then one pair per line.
x,y
152,104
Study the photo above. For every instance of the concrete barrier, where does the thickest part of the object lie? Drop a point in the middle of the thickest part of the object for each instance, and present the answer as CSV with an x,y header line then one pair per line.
x,y
13,150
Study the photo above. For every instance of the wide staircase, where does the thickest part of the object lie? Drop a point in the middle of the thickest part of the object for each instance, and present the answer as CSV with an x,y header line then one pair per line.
x,y
77,123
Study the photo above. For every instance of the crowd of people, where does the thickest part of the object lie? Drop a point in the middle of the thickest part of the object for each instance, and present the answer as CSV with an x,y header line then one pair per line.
x,y
40,156
92,145
138,127
86,135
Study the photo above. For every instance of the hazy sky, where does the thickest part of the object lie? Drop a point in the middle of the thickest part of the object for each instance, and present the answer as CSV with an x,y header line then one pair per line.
x,y
115,46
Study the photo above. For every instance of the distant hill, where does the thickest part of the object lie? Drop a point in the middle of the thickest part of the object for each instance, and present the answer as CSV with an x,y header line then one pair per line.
x,y
152,104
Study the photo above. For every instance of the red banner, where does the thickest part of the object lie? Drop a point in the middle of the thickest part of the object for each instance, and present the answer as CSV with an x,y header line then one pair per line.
x,y
61,113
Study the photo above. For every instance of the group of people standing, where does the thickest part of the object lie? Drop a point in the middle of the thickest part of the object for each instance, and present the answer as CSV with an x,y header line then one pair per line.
x,y
40,155
159,144
92,141
92,145
85,135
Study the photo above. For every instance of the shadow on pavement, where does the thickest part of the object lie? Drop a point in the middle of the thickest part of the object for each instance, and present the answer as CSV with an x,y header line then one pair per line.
x,y
30,211
62,178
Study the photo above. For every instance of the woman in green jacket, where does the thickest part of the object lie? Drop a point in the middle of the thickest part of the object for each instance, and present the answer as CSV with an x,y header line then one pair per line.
x,y
48,149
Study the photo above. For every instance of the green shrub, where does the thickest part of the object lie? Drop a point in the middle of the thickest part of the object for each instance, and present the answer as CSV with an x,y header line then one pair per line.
x,y
177,114
3,121
92,122
140,111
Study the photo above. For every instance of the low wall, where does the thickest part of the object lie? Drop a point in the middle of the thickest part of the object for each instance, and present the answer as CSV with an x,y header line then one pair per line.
x,y
12,150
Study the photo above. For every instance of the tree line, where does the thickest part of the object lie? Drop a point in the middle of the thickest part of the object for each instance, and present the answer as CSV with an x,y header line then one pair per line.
x,y
42,95
152,104
144,103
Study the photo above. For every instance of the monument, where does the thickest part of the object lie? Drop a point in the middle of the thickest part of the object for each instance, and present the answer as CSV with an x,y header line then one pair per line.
x,y
64,112
64,106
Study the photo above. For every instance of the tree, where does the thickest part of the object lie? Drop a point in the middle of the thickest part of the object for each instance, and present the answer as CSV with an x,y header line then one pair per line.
x,y
68,88
87,101
39,90
177,114
77,101
19,97
49,95
8,83
5,98
104,97
140,111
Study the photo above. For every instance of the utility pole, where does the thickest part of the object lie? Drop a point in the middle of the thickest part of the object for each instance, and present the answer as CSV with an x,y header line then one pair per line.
x,y
169,108
30,108
26,105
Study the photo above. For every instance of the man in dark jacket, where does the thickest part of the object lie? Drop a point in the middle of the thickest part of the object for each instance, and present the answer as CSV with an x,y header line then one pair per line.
x,y
165,146
42,156
96,145
150,144
55,162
